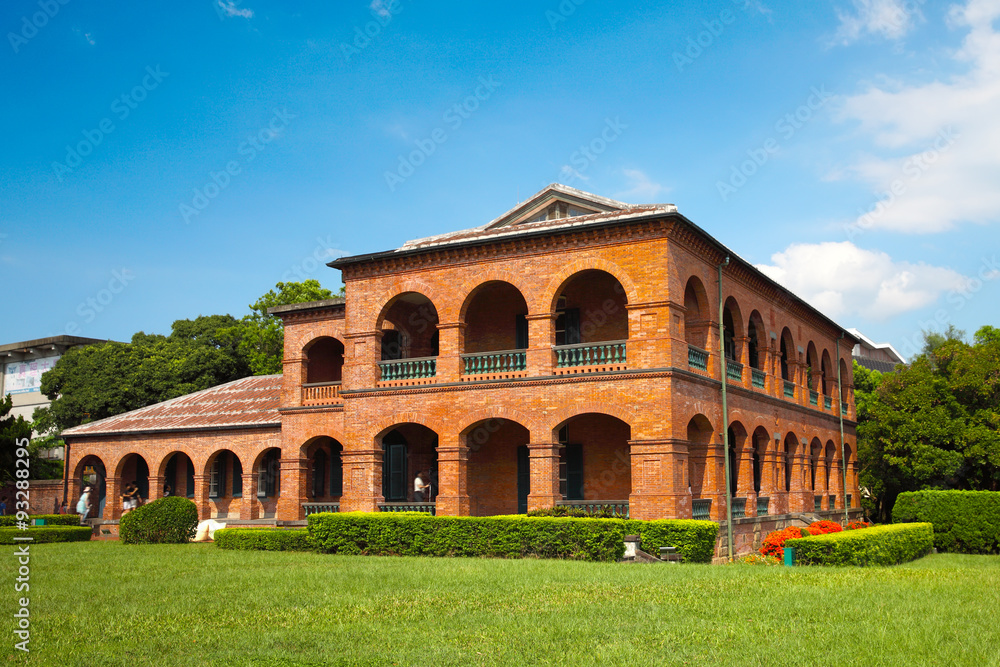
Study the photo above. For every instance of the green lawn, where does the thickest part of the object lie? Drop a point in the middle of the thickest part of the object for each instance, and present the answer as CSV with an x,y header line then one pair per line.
x,y
103,603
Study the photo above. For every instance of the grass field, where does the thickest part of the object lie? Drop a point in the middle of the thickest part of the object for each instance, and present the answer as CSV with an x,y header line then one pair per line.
x,y
103,603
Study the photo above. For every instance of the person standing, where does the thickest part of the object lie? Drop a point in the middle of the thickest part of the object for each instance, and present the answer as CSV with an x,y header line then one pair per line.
x,y
419,488
83,505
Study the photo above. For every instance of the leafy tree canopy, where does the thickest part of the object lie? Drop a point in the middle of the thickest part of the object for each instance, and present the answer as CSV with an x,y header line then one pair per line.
x,y
262,337
97,381
934,424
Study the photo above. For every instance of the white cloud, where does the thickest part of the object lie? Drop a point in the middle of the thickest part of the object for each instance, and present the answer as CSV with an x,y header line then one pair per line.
x,y
843,280
642,190
380,7
230,8
889,18
943,184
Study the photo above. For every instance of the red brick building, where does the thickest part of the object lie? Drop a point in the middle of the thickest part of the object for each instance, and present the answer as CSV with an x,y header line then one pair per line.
x,y
568,352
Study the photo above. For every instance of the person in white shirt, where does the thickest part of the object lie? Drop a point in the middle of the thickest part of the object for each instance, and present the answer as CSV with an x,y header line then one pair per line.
x,y
420,489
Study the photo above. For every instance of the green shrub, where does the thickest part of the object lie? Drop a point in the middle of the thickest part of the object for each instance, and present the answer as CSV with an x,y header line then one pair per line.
x,y
882,545
42,534
695,540
170,520
503,537
598,512
264,539
50,519
964,521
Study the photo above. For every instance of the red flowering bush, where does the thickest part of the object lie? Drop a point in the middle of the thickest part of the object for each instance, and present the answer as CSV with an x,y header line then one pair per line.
x,y
857,525
774,542
824,527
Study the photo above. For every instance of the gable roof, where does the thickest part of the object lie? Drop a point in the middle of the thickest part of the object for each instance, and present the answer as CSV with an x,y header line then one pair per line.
x,y
552,193
249,402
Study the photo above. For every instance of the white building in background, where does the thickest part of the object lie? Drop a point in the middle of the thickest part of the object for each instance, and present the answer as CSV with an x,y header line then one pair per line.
x,y
23,365
881,357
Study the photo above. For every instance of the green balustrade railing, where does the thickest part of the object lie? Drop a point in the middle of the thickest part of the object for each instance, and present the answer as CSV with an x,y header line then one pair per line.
x,y
739,507
734,371
408,369
757,377
617,508
813,397
763,505
789,389
427,508
314,508
483,363
697,358
701,509
591,354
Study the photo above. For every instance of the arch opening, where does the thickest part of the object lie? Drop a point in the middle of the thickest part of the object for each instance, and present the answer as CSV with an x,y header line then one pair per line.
x,y
590,308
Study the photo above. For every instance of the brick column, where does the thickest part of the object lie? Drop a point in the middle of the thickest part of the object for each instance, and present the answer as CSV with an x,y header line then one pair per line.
x,y
362,351
201,496
451,337
453,478
744,480
362,480
769,482
155,488
659,479
541,337
714,485
543,460
293,489
744,344
800,497
293,376
112,498
249,507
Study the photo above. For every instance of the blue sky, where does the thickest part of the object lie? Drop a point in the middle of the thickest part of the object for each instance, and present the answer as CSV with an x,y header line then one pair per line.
x,y
165,160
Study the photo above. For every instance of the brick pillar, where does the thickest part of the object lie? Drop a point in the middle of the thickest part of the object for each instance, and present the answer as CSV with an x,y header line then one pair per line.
x,y
362,480
201,496
451,337
744,480
112,499
453,477
155,488
659,479
800,498
293,489
714,485
249,507
544,464
541,338
293,376
715,366
362,351
75,489
769,481
677,353
744,344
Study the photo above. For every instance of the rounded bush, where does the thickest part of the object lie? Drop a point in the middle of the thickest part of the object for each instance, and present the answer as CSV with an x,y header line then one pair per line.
x,y
170,520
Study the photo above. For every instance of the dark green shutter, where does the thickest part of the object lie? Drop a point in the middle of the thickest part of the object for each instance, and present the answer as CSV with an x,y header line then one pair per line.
x,y
520,332
574,472
237,477
523,479
572,326
336,474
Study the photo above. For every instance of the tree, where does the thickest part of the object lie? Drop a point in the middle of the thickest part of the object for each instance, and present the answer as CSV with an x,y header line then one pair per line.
x,y
934,424
15,433
262,339
97,381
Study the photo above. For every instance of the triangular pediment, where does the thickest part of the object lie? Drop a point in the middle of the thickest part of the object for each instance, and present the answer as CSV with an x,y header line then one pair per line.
x,y
556,202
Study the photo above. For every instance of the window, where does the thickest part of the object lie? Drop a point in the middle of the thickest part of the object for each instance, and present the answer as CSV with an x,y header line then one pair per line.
x,y
392,345
319,474
237,478
571,472
394,467
268,481
520,332
215,477
568,327
336,473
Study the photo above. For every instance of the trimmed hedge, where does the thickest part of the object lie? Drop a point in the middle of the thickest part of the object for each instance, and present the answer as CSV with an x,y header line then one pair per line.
x,y
50,519
695,540
882,545
398,534
264,539
43,534
170,520
964,521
